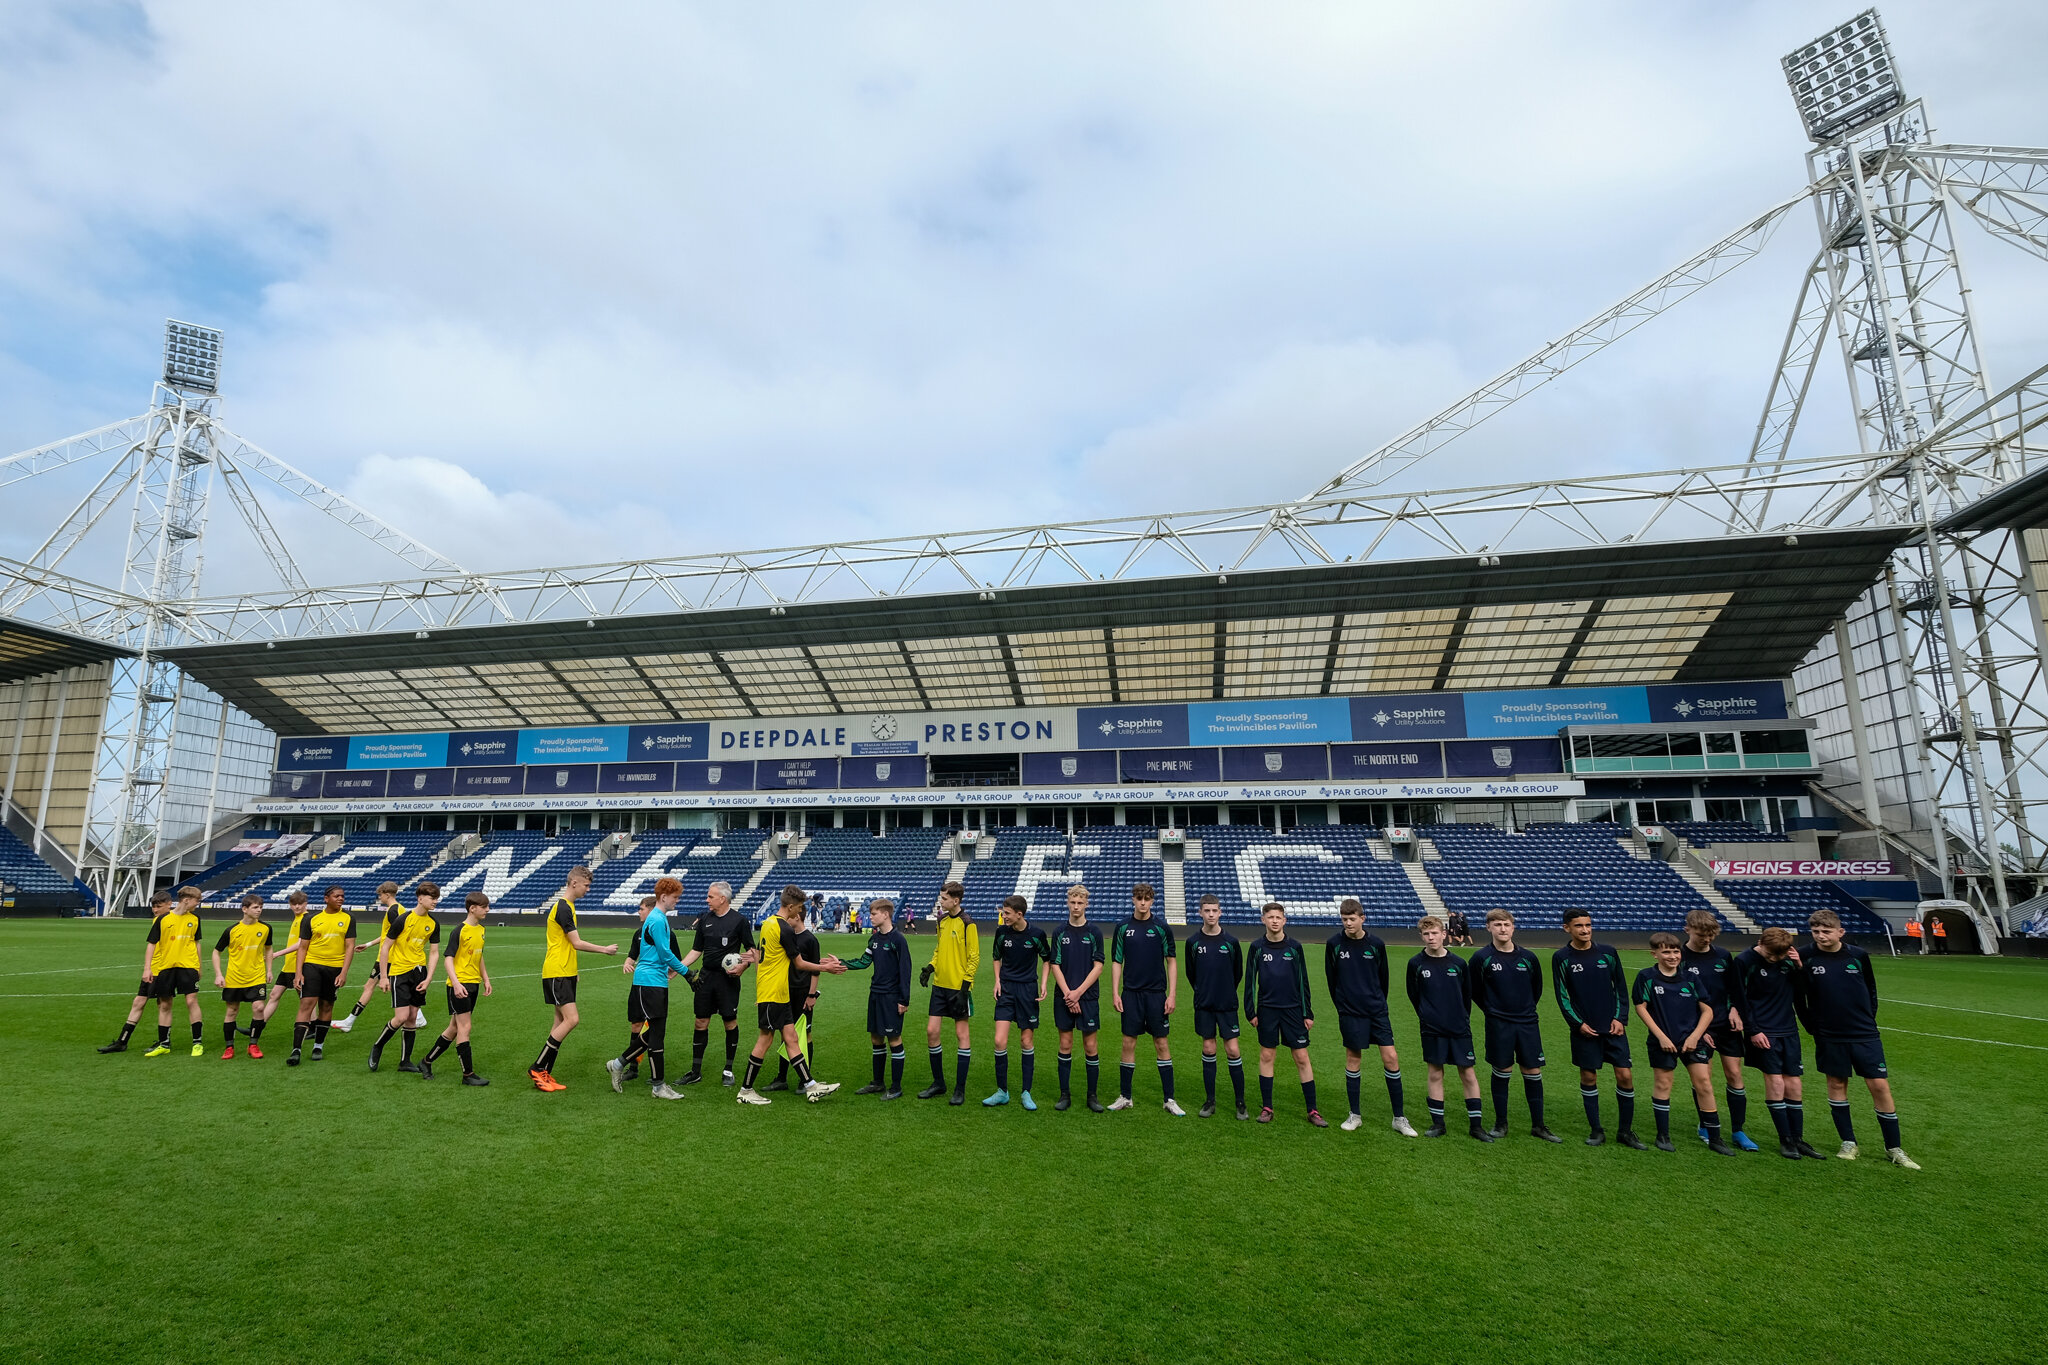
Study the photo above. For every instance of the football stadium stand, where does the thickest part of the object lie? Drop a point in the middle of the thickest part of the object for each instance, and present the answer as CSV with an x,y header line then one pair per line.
x,y
1310,870
1028,861
1787,904
1541,872
903,865
1109,860
1700,833
361,864
28,874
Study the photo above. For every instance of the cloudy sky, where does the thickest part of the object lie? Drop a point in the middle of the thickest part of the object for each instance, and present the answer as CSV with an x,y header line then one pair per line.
x,y
543,286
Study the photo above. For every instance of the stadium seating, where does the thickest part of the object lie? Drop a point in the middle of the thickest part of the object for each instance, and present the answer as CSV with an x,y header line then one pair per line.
x,y
1109,860
859,865
1700,833
727,857
1310,870
1547,869
619,883
27,873
1787,904
359,866
992,879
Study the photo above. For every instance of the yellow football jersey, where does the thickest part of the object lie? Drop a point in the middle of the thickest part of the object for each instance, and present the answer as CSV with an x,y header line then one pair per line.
x,y
410,934
291,942
327,933
771,983
466,952
561,955
247,947
176,938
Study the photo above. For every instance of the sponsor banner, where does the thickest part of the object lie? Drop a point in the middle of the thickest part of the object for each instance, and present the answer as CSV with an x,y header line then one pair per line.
x,y
1278,763
770,774
1758,867
398,751
681,739
882,733
1704,703
949,796
1546,710
1322,720
363,786
562,779
484,748
1382,762
1057,770
1124,727
423,782
719,775
574,744
1169,765
489,781
1501,757
295,786
618,778
1408,715
882,772
880,748
312,753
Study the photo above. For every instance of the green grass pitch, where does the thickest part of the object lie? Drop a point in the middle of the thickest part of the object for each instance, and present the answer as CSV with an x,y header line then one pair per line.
x,y
181,1209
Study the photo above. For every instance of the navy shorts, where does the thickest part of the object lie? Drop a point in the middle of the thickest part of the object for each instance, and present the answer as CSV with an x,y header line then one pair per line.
x,y
1282,1028
949,1003
1590,1054
1781,1058
1017,1009
1215,1023
1088,1018
1722,1038
1145,1012
1663,1059
1441,1049
885,1020
1362,1031
1850,1056
464,1004
1510,1044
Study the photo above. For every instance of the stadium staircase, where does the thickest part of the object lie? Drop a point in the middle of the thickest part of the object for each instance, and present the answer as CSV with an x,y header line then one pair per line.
x,y
1698,880
765,854
1173,887
1425,890
958,862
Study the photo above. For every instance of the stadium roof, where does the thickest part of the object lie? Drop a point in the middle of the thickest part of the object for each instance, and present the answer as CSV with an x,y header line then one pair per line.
x,y
29,651
2019,505
1724,609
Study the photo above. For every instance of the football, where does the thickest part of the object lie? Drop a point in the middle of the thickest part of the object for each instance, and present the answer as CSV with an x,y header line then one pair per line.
x,y
731,962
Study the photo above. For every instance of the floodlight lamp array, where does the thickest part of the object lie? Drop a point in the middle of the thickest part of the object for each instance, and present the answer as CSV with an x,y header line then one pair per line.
x,y
192,356
1845,78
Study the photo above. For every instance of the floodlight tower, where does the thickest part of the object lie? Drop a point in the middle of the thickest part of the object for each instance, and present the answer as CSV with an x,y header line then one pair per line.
x,y
1889,283
160,577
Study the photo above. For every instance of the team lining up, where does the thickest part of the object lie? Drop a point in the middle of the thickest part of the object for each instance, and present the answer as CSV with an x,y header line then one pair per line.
x,y
1697,1002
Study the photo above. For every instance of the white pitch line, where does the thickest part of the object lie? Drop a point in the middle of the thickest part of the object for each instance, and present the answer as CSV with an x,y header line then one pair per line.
x,y
69,995
1953,1038
1964,1009
60,971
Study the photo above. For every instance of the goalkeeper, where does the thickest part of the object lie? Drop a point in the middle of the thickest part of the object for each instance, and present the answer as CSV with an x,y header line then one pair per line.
x,y
950,974
888,955
647,1001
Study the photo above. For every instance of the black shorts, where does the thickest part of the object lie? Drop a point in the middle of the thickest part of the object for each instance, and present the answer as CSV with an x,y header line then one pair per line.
x,y
1145,1012
146,988
558,990
284,979
409,989
646,1003
1216,1023
1018,1009
173,981
1361,1031
1088,1018
948,1003
1663,1059
1843,1057
774,1015
1781,1058
1509,1043
1722,1038
885,1019
464,1004
322,983
717,993
1442,1049
1590,1054
1282,1028
235,995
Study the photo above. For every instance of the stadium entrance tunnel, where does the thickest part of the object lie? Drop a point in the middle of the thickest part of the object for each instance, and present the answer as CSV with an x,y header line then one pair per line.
x,y
1961,932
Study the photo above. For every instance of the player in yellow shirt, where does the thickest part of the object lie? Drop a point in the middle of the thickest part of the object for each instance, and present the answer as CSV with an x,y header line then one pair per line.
x,y
387,906
159,906
950,974
327,945
284,953
558,974
468,978
247,975
779,971
172,969
406,958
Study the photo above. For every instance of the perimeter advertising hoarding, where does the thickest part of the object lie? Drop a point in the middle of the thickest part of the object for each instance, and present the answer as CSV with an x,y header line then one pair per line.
x,y
1062,770
570,779
722,775
618,779
1386,762
895,771
1277,763
1169,765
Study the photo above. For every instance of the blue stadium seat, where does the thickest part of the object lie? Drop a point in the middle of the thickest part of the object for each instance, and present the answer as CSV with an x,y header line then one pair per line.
x,y
26,872
1550,868
1787,904
1309,870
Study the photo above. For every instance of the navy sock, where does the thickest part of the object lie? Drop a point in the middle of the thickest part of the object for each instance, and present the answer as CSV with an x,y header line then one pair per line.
x,y
1266,1091
1436,1111
1589,1095
1066,1073
1026,1067
1393,1094
1166,1080
1002,1069
961,1060
1845,1123
1237,1079
1713,1122
1795,1118
1778,1119
1475,1113
1125,1071
1738,1107
1532,1090
1500,1098
1626,1101
1663,1112
939,1067
1308,1095
1352,1081
1094,1070
896,1056
1888,1124
1209,1077
878,1057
